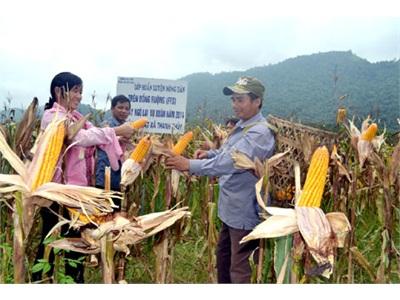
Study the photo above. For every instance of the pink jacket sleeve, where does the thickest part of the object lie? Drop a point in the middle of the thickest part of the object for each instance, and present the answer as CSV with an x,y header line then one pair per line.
x,y
105,138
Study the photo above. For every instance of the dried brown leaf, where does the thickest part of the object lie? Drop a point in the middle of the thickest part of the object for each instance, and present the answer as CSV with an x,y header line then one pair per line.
x,y
23,134
395,164
340,226
76,245
363,262
11,157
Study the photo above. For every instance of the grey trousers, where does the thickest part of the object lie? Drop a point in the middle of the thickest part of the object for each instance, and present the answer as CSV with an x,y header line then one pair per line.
x,y
233,258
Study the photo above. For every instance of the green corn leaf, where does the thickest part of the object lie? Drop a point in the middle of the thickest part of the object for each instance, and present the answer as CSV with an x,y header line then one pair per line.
x,y
282,258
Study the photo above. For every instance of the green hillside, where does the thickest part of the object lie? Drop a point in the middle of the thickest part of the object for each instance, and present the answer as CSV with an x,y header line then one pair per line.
x,y
304,88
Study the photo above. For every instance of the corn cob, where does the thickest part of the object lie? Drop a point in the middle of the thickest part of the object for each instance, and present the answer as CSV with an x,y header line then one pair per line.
x,y
141,149
315,180
370,132
182,143
86,219
107,179
139,123
50,158
74,213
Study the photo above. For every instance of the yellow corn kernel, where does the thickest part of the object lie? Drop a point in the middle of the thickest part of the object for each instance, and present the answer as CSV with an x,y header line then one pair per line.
x,y
141,149
315,180
86,219
50,158
182,143
370,132
140,123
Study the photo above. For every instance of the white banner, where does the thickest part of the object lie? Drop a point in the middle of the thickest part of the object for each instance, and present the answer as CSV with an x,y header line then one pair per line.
x,y
162,101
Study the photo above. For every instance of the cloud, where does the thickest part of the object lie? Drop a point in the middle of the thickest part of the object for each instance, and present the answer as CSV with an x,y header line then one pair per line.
x,y
171,39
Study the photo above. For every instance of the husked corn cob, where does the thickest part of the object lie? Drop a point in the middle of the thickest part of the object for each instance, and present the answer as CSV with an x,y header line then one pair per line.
x,y
315,180
84,218
50,158
141,149
182,143
370,132
139,123
107,178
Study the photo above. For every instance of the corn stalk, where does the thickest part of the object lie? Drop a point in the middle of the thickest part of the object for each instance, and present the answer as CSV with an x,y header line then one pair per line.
x,y
385,170
163,248
211,239
18,240
353,201
163,259
32,188
106,244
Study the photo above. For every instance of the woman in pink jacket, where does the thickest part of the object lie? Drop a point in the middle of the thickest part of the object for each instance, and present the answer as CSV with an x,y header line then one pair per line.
x,y
77,165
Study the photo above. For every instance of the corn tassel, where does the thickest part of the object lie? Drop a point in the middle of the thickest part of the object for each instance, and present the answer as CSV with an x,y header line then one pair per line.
x,y
315,181
182,143
370,132
50,158
140,123
141,149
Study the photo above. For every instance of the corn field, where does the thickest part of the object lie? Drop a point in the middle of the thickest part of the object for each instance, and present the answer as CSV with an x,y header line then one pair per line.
x,y
171,229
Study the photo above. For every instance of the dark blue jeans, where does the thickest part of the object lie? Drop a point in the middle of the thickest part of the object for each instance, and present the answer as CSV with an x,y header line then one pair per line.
x,y
233,258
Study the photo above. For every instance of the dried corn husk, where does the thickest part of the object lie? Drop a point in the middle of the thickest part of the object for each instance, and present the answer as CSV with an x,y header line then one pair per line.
x,y
74,128
364,147
175,176
274,226
317,233
242,161
340,226
23,134
15,162
125,231
130,170
321,233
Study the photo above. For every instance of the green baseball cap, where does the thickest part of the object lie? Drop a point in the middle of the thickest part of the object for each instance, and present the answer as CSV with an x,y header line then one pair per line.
x,y
246,85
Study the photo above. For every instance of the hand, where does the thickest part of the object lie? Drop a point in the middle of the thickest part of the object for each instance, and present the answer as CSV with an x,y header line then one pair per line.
x,y
179,163
124,140
200,154
123,214
125,130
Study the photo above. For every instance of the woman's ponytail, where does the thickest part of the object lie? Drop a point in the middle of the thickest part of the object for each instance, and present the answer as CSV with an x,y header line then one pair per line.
x,y
49,104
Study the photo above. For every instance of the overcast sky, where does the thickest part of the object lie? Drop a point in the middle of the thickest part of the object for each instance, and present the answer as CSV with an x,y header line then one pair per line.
x,y
101,40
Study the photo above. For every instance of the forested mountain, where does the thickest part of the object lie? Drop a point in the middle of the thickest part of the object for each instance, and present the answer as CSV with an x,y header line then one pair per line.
x,y
307,88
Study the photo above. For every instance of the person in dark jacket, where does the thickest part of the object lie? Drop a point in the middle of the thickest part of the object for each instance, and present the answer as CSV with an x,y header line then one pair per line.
x,y
120,110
